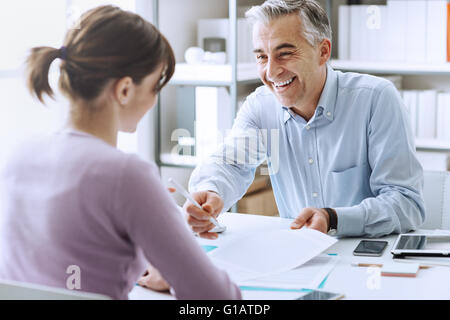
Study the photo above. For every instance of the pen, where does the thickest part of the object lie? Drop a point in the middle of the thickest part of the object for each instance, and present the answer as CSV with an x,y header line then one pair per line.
x,y
188,196
355,264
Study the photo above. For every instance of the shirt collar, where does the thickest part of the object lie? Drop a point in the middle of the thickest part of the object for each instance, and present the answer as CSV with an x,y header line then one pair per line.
x,y
286,114
329,93
327,100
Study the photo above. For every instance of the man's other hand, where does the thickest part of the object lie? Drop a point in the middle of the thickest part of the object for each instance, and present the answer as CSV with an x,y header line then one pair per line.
x,y
312,218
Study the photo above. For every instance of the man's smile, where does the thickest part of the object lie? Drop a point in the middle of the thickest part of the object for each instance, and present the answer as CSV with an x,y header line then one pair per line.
x,y
283,85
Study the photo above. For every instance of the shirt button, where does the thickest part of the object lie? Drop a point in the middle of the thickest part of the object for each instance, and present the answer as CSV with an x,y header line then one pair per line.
x,y
308,127
329,114
311,161
315,194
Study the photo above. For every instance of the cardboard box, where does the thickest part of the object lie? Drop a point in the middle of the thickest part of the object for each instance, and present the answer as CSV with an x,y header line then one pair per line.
x,y
259,199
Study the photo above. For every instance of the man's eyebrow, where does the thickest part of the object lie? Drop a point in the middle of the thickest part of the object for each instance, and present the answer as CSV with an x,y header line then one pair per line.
x,y
284,46
279,47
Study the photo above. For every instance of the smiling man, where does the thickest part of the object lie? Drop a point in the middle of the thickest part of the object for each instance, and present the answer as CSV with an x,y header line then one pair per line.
x,y
339,146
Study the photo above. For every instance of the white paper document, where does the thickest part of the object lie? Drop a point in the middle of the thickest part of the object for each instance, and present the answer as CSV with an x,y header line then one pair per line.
x,y
309,275
270,252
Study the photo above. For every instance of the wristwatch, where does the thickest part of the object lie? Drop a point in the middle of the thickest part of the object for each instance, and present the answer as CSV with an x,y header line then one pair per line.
x,y
332,229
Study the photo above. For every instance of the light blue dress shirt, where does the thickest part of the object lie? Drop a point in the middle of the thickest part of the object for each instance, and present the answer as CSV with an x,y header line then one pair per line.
x,y
356,155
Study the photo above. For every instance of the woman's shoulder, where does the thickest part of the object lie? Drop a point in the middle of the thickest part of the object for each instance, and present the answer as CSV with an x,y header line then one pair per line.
x,y
137,169
75,152
105,160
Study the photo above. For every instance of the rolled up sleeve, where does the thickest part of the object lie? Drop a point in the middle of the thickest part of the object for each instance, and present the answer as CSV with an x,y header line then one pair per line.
x,y
231,169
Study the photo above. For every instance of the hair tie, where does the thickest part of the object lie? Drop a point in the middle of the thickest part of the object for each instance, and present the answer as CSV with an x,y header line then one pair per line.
x,y
63,53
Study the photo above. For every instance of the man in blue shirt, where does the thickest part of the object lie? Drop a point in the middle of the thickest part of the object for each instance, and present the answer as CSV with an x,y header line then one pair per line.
x,y
339,146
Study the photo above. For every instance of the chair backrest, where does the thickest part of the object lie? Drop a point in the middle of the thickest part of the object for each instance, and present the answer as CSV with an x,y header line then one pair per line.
x,y
12,290
437,200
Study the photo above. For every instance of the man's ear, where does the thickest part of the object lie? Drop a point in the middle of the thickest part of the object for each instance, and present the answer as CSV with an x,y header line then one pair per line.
x,y
324,51
123,90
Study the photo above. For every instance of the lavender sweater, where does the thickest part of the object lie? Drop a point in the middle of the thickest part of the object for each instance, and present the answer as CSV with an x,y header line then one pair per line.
x,y
70,199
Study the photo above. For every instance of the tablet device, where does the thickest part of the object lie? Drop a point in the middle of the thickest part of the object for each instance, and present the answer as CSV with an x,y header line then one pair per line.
x,y
421,245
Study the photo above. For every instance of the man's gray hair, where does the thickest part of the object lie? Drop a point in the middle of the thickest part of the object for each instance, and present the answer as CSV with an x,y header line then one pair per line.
x,y
316,26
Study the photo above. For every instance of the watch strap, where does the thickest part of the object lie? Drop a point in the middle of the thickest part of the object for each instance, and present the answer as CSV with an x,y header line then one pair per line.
x,y
332,217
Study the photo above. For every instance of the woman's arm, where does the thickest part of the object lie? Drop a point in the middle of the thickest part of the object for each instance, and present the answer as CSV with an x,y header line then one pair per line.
x,y
153,222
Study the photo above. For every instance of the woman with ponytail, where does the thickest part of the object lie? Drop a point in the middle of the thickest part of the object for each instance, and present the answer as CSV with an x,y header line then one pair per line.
x,y
72,201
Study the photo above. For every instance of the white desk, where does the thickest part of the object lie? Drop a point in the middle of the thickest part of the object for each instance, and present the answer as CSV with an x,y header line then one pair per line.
x,y
354,282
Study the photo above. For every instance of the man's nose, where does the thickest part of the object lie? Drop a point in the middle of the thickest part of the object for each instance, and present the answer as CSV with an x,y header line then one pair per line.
x,y
273,70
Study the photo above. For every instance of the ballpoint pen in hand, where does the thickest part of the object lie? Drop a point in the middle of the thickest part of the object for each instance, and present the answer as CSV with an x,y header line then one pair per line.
x,y
188,196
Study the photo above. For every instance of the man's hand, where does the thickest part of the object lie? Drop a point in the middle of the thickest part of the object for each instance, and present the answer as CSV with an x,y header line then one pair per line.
x,y
212,205
313,218
152,279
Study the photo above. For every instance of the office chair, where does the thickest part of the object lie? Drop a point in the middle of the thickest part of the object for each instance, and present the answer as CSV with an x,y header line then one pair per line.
x,y
437,200
13,290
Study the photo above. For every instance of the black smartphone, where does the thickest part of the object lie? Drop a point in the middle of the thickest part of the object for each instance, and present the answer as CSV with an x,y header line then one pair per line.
x,y
321,295
372,248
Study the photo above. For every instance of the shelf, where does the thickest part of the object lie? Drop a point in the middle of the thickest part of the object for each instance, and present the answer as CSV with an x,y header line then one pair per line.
x,y
213,75
169,159
392,67
432,144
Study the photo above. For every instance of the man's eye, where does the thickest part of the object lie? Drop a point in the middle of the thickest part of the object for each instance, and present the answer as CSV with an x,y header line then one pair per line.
x,y
284,54
260,57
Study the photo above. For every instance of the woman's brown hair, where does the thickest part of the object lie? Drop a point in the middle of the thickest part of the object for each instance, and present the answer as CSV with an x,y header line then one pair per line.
x,y
108,43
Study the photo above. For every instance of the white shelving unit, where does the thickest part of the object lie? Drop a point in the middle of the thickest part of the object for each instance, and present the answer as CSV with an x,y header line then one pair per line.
x,y
213,75
170,159
415,77
208,76
392,67
432,145
221,75
231,76
236,78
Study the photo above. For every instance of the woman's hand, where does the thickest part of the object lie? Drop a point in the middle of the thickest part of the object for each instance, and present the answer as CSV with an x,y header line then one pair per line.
x,y
152,279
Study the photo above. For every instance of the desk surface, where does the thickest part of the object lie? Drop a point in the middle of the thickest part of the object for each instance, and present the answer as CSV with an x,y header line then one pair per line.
x,y
354,282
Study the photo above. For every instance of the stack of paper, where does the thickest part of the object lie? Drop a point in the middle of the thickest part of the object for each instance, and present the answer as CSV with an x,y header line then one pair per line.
x,y
428,111
309,275
437,31
410,100
270,252
401,30
399,269
426,114
443,116
396,30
